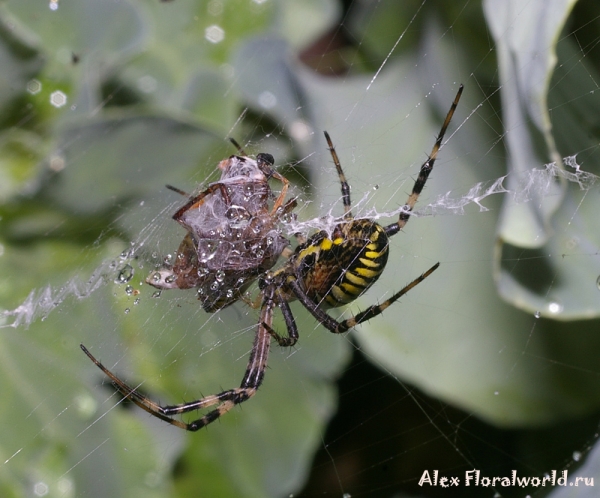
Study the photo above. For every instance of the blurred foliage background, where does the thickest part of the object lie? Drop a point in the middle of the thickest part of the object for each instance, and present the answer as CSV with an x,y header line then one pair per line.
x,y
490,364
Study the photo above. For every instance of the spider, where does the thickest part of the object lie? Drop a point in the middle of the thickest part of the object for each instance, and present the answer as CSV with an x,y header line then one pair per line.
x,y
325,271
232,235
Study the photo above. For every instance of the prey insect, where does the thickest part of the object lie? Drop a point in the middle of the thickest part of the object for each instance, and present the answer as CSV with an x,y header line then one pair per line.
x,y
232,233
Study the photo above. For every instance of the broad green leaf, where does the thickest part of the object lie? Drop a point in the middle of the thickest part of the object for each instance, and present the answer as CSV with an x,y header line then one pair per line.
x,y
536,223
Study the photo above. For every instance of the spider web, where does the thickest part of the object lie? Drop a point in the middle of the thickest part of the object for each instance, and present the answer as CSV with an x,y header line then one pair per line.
x,y
488,365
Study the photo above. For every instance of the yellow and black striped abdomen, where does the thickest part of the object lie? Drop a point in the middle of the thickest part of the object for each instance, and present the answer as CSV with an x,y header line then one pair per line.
x,y
336,270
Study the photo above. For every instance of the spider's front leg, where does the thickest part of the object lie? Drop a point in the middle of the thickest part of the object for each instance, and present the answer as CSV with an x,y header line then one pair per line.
x,y
271,290
225,400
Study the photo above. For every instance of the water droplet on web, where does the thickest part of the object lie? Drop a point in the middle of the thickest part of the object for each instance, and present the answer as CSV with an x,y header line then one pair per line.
x,y
537,314
127,310
238,217
576,456
137,301
211,250
170,279
125,275
156,294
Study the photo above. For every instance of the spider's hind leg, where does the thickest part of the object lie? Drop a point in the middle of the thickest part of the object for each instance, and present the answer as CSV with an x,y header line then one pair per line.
x,y
337,327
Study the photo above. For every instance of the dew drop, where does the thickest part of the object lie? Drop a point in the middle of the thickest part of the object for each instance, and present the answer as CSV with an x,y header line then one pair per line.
x,y
537,314
576,456
127,310
156,294
129,290
125,275
238,216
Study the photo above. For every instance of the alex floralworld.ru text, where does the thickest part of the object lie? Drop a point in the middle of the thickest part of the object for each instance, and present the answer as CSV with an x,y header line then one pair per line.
x,y
474,478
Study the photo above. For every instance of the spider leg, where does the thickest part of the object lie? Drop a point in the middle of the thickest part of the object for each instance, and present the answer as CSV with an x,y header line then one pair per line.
x,y
290,322
372,311
345,185
225,400
426,168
